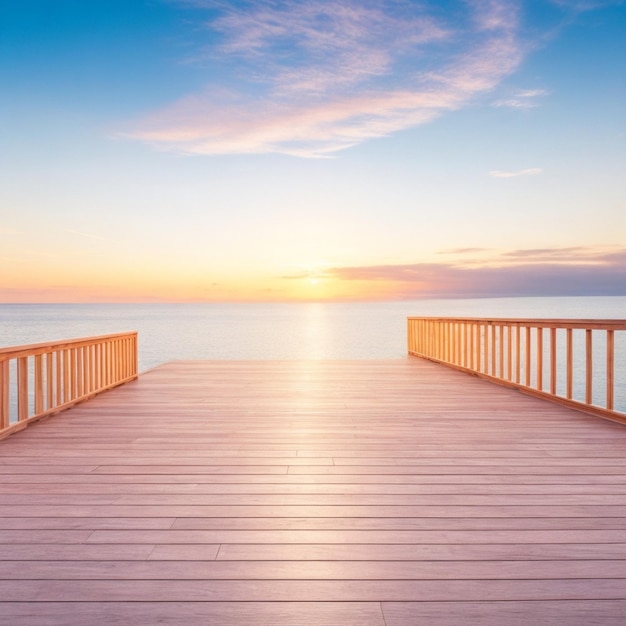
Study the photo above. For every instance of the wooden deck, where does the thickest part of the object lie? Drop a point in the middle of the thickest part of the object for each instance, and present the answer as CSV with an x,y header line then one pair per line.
x,y
380,493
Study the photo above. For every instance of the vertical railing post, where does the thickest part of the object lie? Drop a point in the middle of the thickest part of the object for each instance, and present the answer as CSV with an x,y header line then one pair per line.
x,y
493,349
509,345
610,369
518,356
39,384
91,372
588,366
22,388
73,374
501,351
49,381
553,360
59,375
80,373
540,358
527,359
465,344
98,366
5,416
484,347
65,384
569,357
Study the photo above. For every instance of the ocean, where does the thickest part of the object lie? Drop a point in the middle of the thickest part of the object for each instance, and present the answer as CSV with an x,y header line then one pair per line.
x,y
321,330
357,330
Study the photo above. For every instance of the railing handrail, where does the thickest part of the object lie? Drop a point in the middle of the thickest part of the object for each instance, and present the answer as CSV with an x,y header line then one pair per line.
x,y
594,324
15,352
42,379
518,353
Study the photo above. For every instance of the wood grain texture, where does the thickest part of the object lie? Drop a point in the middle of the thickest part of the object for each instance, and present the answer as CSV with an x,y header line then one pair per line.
x,y
316,492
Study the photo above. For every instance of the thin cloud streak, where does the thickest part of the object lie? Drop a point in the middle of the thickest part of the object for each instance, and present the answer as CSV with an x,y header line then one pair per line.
x,y
323,76
525,99
581,272
459,251
532,171
86,235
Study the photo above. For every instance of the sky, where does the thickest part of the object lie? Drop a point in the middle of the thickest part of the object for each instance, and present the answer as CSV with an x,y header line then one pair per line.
x,y
279,150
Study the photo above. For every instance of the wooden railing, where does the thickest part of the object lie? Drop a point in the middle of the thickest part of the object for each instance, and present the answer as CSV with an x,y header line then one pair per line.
x,y
573,362
41,379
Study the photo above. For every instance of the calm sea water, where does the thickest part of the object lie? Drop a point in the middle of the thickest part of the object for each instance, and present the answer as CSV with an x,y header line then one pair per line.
x,y
272,331
376,330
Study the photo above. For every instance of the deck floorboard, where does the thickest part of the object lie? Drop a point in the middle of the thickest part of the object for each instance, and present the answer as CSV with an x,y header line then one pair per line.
x,y
380,493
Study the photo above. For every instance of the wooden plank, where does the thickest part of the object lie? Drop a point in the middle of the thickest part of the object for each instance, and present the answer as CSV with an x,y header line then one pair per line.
x,y
516,613
209,569
311,499
94,510
315,523
310,590
176,613
129,486
369,537
410,552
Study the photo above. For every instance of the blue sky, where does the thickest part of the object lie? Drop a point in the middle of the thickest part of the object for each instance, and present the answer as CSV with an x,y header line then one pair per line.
x,y
279,150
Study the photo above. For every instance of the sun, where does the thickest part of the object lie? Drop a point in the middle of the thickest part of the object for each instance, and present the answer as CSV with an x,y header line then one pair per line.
x,y
314,281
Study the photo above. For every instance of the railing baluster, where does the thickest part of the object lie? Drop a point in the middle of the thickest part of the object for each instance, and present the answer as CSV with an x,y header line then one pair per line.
x,y
588,367
58,354
22,388
540,358
80,373
569,356
509,348
49,381
67,390
493,350
5,416
518,356
527,370
553,360
610,369
38,383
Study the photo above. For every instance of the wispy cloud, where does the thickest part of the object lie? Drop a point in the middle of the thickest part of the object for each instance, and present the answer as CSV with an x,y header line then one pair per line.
x,y
532,171
580,6
524,99
545,272
462,251
313,78
86,235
